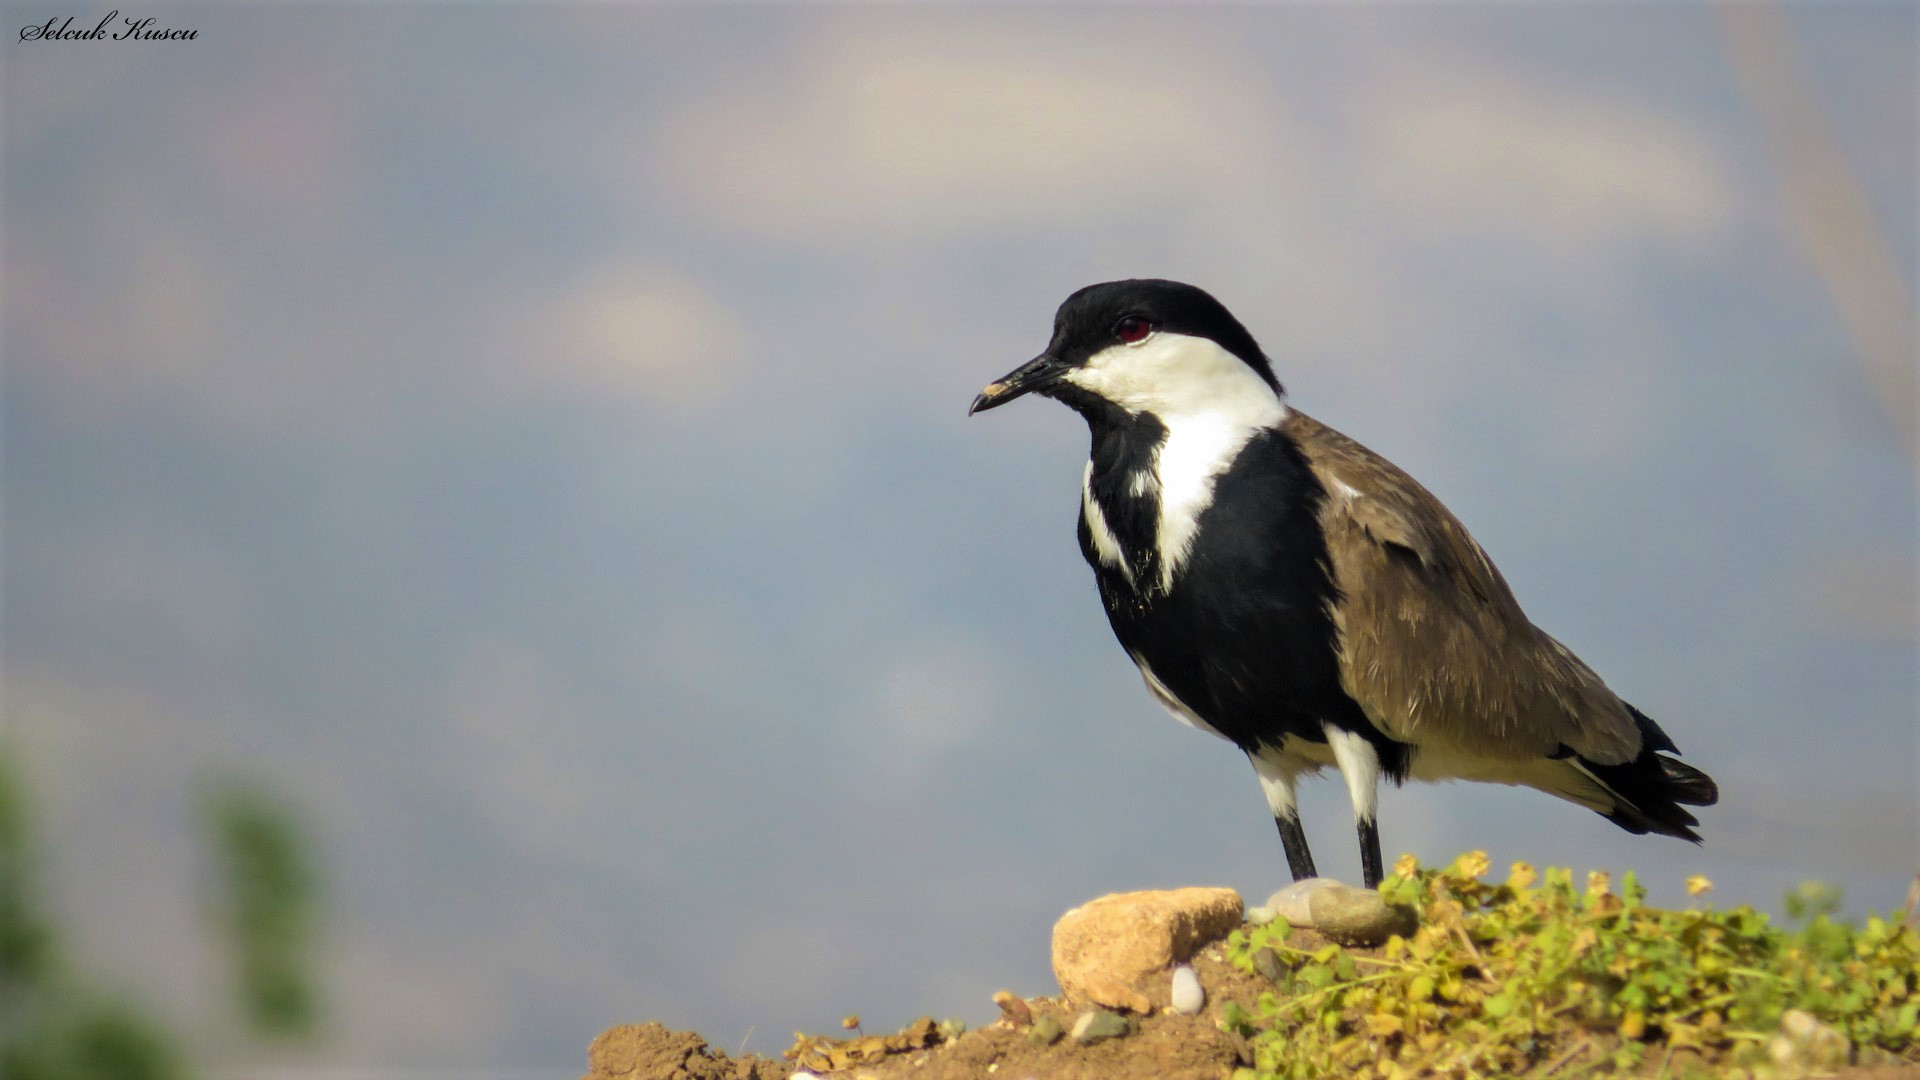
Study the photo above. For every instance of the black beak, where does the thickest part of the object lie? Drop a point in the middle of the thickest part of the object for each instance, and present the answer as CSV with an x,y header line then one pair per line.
x,y
1035,374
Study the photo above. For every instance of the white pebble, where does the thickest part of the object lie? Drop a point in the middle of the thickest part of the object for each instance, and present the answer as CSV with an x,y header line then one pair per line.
x,y
1260,916
1188,997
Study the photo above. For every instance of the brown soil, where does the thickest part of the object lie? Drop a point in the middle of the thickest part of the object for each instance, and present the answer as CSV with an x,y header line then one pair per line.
x,y
652,1052
1167,1046
1164,1046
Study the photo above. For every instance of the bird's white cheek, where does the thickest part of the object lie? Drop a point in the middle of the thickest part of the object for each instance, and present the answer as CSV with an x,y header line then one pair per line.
x,y
1169,374
1116,375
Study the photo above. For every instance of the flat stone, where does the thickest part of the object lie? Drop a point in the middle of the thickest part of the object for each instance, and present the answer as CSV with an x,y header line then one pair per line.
x,y
1115,951
1188,997
1291,903
1098,1025
1353,916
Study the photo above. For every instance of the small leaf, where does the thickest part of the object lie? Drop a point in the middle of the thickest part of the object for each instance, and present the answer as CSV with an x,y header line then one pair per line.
x,y
1472,865
1380,1025
1521,876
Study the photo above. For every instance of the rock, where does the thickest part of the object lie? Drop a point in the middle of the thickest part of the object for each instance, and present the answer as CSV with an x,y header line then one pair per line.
x,y
1013,1008
1260,916
1291,903
1267,963
1113,951
1353,916
1098,1025
1046,1030
1805,1045
1188,997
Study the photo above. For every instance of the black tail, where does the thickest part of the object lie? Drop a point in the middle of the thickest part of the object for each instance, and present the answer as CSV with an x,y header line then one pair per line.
x,y
1652,788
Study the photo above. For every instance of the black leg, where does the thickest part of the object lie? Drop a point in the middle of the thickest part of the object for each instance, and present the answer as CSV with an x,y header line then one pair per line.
x,y
1370,852
1299,859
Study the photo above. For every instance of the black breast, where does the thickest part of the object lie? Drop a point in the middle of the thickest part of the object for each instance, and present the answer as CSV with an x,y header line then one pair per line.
x,y
1245,635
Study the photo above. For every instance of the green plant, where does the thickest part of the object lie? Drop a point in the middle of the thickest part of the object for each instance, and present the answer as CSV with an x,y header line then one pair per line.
x,y
1538,974
56,1025
267,908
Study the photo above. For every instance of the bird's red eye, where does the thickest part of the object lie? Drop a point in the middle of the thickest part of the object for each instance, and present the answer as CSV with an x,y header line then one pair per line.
x,y
1132,328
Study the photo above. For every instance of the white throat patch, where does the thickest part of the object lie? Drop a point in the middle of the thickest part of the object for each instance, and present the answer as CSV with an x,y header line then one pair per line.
x,y
1105,544
1211,404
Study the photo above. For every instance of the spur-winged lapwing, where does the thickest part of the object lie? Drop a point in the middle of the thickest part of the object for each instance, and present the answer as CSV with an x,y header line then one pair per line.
x,y
1289,590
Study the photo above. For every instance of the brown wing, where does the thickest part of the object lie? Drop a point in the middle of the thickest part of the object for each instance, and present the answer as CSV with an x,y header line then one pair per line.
x,y
1433,645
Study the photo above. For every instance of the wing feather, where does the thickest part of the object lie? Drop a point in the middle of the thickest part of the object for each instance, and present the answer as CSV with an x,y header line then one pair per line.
x,y
1433,645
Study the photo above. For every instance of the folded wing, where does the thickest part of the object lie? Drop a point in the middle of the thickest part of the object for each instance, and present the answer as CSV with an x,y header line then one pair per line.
x,y
1433,646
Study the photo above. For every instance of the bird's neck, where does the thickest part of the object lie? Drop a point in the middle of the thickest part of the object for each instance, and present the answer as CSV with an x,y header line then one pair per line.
x,y
1150,478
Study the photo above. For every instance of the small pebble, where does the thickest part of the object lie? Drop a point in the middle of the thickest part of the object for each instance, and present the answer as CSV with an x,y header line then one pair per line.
x,y
1260,916
1267,963
1046,1030
952,1028
1013,1008
1188,997
1800,1025
1098,1025
1290,903
1807,1045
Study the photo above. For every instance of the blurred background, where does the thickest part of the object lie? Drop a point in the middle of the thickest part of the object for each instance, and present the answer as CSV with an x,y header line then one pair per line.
x,y
530,442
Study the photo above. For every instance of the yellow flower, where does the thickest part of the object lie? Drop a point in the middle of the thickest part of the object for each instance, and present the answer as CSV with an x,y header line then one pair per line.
x,y
1472,864
1406,866
1521,875
1598,883
1698,885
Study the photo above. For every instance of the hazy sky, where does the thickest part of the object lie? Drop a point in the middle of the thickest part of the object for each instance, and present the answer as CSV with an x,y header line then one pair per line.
x,y
534,439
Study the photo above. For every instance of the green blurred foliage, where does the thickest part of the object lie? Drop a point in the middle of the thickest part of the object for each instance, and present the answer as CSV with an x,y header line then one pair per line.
x,y
268,913
1812,900
56,1025
26,944
92,1041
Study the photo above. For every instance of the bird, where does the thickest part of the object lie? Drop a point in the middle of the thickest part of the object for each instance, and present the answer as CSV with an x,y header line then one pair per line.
x,y
1283,587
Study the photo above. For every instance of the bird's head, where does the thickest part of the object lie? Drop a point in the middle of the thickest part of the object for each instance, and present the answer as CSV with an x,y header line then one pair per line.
x,y
1143,346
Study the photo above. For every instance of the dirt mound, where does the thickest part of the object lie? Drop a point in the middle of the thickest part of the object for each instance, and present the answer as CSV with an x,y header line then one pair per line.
x,y
1162,1046
652,1052
1154,1042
